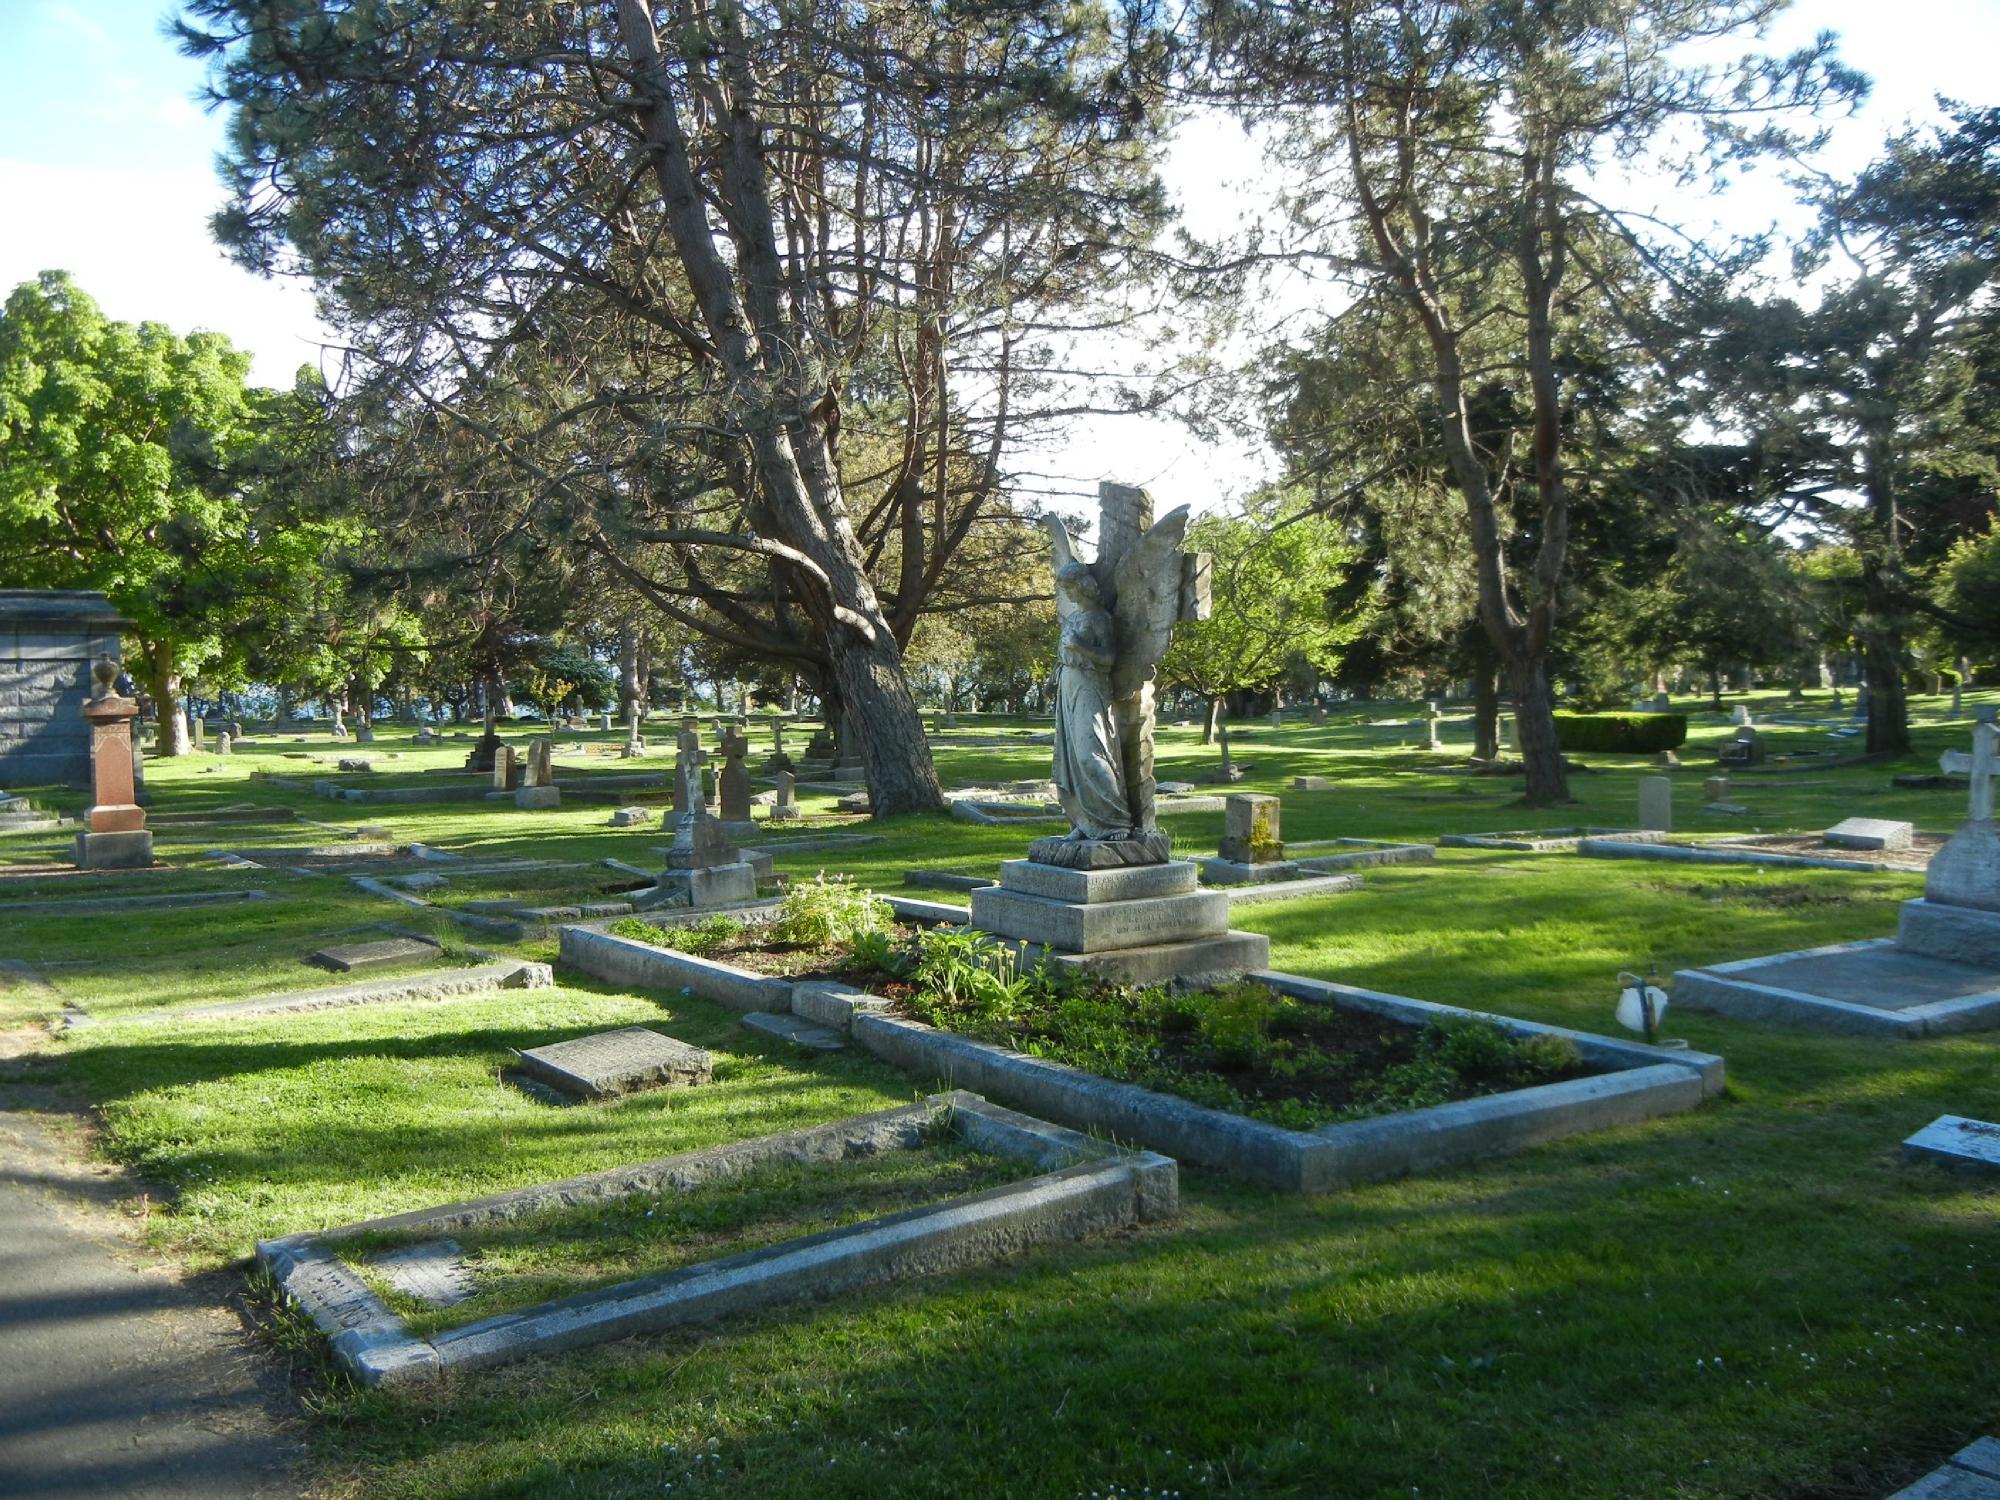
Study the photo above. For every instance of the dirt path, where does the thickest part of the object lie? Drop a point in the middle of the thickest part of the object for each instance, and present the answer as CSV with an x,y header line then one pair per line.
x,y
117,1377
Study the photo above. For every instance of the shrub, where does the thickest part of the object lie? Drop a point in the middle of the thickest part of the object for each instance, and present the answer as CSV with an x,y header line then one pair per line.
x,y
1622,734
1237,1022
819,913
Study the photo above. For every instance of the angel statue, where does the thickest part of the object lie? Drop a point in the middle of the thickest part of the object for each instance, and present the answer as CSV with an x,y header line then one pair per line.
x,y
1116,615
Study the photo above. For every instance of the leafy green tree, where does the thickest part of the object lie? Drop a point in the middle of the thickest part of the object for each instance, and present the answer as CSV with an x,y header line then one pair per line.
x,y
1450,156
115,443
1279,569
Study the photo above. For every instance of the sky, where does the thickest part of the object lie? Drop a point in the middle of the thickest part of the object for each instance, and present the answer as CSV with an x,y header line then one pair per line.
x,y
106,171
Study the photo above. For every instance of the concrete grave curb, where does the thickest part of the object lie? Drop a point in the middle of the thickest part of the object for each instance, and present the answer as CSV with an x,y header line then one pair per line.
x,y
1642,1082
1085,1187
1723,990
1634,848
445,984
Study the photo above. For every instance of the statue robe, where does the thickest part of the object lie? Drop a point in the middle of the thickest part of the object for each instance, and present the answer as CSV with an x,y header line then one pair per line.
x,y
1089,769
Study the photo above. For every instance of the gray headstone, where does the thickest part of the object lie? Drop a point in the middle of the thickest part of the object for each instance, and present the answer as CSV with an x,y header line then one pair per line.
x,y
1656,803
617,1062
1251,830
1869,833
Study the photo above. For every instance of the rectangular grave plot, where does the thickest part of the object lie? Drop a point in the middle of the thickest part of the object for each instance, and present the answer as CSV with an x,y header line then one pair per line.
x,y
1037,1183
610,1064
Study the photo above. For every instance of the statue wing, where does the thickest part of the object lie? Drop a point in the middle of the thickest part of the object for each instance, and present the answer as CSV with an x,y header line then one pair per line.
x,y
1065,554
1148,585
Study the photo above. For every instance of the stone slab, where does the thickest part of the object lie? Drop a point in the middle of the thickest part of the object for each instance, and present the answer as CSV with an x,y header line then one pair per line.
x,y
1955,1141
798,1030
1870,833
1872,988
433,1272
1950,1482
125,849
82,905
1210,960
1235,872
1292,890
1076,927
631,963
538,798
350,956
1362,854
1129,883
611,1063
1957,934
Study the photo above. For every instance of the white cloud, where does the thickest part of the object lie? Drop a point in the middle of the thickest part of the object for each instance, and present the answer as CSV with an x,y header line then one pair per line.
x,y
139,244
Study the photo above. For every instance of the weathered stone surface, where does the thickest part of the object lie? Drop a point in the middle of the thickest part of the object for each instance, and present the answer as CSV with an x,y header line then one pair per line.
x,y
1133,882
1235,872
612,1063
1076,927
1656,803
48,641
713,885
537,798
1251,830
1869,833
1955,1141
434,1272
129,849
1957,934
798,1030
1715,789
355,765
1311,784
1101,854
353,956
1966,871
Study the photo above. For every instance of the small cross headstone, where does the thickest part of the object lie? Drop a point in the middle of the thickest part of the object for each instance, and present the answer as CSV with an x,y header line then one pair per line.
x,y
1656,803
734,782
1431,740
1984,738
778,740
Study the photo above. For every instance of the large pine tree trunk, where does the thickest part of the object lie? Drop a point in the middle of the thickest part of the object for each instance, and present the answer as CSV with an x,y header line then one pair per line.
x,y
1888,705
1535,723
628,671
163,681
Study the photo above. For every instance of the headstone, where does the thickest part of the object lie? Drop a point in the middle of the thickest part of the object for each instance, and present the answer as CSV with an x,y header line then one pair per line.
x,y
1716,789
604,722
1277,719
1739,715
1503,731
1656,803
735,778
1966,871
778,757
355,764
1318,717
1662,704
538,790
1431,740
506,777
118,838
1955,1141
1861,701
634,745
631,817
1311,784
786,808
198,728
1746,749
1986,713
1250,830
1668,759
223,743
1228,771
702,865
1839,700
1869,833
350,956
612,1063
365,735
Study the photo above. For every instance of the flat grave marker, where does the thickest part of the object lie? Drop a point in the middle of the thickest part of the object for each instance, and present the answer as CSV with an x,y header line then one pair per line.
x,y
350,956
1869,833
1954,1141
611,1063
434,1272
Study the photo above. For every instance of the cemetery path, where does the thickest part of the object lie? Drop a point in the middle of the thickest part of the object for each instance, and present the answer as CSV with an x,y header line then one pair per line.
x,y
117,1377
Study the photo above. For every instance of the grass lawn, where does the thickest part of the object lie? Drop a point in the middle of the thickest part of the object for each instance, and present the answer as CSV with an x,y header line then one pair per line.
x,y
1755,1298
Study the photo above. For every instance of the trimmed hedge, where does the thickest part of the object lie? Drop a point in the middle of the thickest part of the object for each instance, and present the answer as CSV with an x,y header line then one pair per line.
x,y
1622,734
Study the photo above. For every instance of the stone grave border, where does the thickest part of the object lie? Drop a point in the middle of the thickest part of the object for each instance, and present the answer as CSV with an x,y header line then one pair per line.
x,y
635,964
124,905
1295,889
470,981
1717,988
1533,840
1728,851
1972,1473
1359,854
1084,1187
1641,1081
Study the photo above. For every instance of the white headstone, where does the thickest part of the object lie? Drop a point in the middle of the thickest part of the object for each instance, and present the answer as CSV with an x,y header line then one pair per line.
x,y
1656,803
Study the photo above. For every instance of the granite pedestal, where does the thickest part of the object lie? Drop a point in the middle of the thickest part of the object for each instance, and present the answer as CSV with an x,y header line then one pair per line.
x,y
1134,924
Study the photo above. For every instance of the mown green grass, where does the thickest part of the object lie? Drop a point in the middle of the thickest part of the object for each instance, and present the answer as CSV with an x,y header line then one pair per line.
x,y
1755,1298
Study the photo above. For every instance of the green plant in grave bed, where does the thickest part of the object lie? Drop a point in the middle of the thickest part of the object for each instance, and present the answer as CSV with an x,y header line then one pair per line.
x,y
1237,1022
880,952
701,939
824,912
